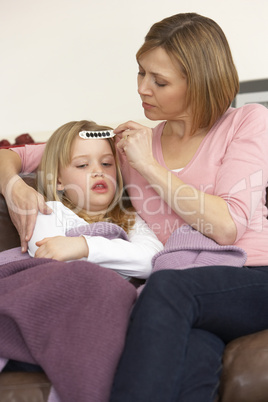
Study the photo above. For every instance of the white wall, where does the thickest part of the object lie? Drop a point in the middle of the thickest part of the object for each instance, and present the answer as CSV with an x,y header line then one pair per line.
x,y
65,60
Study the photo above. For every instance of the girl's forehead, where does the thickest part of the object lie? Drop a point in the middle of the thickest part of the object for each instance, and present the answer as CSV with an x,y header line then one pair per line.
x,y
92,146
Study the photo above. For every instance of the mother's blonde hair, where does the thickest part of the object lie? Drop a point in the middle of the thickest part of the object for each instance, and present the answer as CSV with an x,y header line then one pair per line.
x,y
57,154
200,49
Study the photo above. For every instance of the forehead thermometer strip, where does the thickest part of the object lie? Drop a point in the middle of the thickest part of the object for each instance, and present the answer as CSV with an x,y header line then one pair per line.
x,y
87,135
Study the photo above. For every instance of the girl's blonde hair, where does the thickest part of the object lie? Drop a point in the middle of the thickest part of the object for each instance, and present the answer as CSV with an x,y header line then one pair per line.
x,y
200,49
57,154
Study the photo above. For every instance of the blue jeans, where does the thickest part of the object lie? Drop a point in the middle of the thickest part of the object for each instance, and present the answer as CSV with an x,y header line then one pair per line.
x,y
181,320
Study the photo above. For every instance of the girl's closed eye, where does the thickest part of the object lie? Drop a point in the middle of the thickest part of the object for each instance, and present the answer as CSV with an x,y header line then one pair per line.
x,y
108,161
82,165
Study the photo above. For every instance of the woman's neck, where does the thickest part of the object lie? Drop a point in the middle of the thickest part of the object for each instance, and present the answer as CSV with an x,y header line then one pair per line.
x,y
182,130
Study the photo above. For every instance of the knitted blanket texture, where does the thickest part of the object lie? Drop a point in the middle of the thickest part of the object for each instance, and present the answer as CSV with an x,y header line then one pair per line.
x,y
188,248
69,318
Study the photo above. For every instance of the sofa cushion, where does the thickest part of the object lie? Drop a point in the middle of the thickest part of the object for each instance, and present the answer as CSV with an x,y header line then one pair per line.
x,y
19,387
245,365
9,237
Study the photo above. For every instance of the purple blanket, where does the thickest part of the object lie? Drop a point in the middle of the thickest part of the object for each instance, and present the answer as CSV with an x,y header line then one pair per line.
x,y
69,318
188,248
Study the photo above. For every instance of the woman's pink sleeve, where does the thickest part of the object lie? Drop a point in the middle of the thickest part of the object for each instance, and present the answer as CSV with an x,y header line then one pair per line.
x,y
30,155
243,175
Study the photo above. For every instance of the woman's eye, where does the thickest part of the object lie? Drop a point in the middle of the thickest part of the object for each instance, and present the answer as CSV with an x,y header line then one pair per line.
x,y
106,164
141,73
82,166
160,85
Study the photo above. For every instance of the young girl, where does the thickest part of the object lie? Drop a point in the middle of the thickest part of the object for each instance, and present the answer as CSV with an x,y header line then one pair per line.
x,y
79,177
81,181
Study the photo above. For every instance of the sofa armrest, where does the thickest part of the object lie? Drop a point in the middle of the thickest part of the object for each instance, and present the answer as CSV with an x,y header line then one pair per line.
x,y
245,367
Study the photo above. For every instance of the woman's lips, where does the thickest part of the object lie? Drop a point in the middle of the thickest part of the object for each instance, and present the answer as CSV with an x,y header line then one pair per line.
x,y
147,106
100,187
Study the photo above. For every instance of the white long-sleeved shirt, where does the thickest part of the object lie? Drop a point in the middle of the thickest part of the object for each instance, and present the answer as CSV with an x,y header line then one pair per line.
x,y
129,258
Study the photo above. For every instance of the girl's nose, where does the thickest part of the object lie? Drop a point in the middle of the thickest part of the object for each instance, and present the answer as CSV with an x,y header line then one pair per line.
x,y
97,174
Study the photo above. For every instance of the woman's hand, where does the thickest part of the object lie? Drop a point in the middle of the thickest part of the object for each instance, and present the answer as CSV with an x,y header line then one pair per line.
x,y
62,248
23,204
136,144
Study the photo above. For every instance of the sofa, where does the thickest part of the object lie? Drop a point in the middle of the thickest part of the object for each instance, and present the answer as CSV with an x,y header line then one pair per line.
x,y
245,360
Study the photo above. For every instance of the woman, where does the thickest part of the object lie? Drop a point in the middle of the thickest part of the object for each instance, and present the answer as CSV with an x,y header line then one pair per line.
x,y
219,166
204,166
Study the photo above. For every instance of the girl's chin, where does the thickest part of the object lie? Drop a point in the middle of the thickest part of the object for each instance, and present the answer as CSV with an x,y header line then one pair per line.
x,y
100,210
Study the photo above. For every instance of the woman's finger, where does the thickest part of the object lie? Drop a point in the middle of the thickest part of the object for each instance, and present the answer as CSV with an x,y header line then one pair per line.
x,y
129,125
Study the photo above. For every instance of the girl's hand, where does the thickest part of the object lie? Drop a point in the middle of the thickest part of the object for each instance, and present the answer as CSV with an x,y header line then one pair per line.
x,y
62,248
136,144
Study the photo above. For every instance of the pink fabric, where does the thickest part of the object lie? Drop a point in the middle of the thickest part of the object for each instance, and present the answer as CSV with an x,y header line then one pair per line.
x,y
30,155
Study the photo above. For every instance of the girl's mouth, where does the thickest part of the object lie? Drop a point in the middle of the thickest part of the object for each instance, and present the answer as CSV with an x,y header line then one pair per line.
x,y
100,186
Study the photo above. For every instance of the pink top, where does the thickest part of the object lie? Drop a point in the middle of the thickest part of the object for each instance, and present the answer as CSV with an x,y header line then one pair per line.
x,y
231,162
